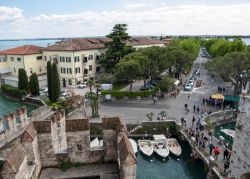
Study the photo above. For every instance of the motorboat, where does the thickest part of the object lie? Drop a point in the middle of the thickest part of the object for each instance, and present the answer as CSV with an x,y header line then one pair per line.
x,y
146,147
96,144
160,146
134,145
174,146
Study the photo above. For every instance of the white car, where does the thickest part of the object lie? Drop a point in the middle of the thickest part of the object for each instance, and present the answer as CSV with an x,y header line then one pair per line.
x,y
188,87
81,86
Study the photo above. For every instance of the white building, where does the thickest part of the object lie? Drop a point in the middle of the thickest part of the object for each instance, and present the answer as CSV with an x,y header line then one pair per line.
x,y
26,57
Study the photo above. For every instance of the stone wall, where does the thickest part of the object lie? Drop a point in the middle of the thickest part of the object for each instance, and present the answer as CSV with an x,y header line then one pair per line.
x,y
240,157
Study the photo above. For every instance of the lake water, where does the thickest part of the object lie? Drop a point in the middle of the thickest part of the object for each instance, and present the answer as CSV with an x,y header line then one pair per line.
x,y
7,106
6,44
172,168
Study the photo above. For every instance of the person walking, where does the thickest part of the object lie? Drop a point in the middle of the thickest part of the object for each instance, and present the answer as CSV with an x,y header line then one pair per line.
x,y
188,95
193,120
211,147
198,109
194,108
225,154
216,152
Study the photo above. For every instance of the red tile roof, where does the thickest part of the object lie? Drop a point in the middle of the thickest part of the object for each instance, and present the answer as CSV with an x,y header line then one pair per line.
x,y
23,50
96,43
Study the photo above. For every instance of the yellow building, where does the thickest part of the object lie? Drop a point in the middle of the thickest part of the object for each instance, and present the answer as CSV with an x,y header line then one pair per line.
x,y
28,57
78,59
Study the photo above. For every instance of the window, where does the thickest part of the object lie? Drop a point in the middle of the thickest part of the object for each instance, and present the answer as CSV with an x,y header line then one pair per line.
x,y
14,70
69,71
70,82
68,59
77,59
85,71
12,59
85,59
19,59
40,68
39,57
77,70
98,69
31,71
90,57
64,70
61,70
97,57
45,58
90,67
79,147
63,59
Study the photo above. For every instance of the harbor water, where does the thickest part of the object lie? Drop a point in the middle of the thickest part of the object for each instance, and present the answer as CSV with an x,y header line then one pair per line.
x,y
183,167
7,106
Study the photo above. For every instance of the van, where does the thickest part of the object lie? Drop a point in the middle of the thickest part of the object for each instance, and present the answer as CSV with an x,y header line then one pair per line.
x,y
106,86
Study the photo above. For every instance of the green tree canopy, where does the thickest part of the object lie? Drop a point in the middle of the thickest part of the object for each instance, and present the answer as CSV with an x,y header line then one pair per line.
x,y
230,67
166,83
34,85
23,83
117,47
129,69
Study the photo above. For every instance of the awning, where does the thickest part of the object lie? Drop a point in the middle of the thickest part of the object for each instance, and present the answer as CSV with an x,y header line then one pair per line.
x,y
231,98
177,82
217,96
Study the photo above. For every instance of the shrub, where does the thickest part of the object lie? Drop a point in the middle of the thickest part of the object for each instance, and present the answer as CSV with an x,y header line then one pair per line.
x,y
12,91
130,94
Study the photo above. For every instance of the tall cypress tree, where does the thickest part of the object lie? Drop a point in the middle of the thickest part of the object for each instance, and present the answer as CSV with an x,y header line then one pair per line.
x,y
55,86
49,78
34,85
23,83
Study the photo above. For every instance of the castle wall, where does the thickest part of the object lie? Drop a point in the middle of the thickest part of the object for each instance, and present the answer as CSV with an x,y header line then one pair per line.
x,y
240,157
23,171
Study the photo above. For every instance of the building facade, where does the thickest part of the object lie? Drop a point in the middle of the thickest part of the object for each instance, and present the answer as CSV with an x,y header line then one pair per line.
x,y
26,57
77,59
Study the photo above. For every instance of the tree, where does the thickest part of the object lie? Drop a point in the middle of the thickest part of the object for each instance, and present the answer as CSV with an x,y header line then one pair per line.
x,y
49,79
232,67
117,47
34,85
150,116
128,69
23,83
55,84
166,83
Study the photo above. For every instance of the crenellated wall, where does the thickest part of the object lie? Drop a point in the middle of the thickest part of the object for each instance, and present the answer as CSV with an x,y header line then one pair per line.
x,y
49,140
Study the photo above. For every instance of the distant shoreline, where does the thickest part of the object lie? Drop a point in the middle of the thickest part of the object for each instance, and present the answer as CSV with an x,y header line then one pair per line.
x,y
168,36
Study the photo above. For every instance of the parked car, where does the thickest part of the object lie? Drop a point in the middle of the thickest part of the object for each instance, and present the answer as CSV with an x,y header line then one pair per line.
x,y
146,87
81,86
187,87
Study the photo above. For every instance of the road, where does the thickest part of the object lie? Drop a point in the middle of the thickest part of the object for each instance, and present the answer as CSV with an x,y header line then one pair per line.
x,y
135,111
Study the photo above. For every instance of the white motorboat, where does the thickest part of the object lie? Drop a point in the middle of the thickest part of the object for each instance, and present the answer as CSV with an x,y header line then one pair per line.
x,y
146,147
174,146
134,145
160,146
228,132
96,144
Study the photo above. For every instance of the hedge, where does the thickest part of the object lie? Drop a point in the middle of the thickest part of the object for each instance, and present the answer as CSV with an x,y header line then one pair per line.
x,y
12,91
130,94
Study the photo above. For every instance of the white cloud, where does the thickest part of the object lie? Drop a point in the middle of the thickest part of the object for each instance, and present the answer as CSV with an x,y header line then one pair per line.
x,y
8,13
186,19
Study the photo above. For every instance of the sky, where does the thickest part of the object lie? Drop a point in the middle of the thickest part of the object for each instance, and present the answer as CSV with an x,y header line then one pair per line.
x,y
21,19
